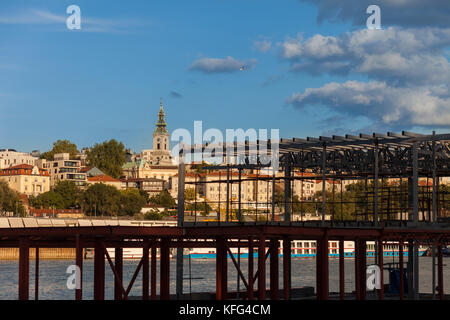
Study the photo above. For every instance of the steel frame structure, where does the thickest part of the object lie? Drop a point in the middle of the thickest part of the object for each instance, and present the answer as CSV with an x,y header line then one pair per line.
x,y
265,238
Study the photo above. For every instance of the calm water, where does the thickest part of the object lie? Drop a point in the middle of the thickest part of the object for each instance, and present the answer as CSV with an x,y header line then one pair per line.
x,y
53,277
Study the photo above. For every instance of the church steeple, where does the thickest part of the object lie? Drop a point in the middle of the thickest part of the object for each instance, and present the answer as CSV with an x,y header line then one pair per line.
x,y
161,123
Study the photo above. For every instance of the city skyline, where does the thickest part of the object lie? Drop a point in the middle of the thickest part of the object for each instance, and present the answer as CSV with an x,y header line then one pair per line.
x,y
306,68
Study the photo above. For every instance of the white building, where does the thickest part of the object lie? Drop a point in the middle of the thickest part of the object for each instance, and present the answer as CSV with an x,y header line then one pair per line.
x,y
10,158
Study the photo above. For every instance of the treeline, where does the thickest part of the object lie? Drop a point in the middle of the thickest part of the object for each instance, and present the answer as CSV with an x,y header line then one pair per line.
x,y
108,156
96,200
356,200
10,200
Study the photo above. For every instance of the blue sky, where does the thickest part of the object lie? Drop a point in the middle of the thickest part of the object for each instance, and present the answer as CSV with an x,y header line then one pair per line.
x,y
105,80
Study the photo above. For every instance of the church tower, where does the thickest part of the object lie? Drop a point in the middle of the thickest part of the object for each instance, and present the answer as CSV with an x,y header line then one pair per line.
x,y
160,154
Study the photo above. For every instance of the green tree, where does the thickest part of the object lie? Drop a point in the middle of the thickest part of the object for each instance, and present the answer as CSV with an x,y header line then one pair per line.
x,y
108,156
100,199
10,200
190,194
61,146
203,207
131,202
50,199
164,199
153,215
70,193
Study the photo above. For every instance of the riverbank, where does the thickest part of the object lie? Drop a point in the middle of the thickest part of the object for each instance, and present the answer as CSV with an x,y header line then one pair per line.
x,y
44,253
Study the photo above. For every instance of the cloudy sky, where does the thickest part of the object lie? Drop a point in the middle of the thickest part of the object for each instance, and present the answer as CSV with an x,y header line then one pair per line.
x,y
305,67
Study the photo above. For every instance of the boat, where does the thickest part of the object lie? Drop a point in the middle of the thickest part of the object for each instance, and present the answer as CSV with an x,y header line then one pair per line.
x,y
307,249
299,249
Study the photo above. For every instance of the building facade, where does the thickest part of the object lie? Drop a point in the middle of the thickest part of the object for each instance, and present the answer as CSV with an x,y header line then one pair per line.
x,y
26,179
150,185
11,157
62,168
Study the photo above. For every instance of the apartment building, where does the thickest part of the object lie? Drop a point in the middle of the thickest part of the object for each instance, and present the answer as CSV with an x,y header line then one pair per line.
x,y
11,157
150,185
26,179
305,187
62,168
212,186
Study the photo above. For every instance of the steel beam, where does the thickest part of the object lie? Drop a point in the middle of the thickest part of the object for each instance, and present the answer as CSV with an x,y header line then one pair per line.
x,y
322,275
440,272
380,265
24,265
79,264
145,272
180,222
221,269
165,269
99,271
153,272
400,263
250,269
274,276
36,275
341,270
287,193
262,268
286,268
118,265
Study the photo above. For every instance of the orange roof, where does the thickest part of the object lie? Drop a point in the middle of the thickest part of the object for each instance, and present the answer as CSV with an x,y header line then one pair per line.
x,y
423,183
102,178
306,174
22,169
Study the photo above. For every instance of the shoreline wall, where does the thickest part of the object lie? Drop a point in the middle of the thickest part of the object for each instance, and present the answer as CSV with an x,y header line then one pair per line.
x,y
44,253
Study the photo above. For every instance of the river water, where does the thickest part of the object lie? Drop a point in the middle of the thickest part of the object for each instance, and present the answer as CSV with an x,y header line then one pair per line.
x,y
53,277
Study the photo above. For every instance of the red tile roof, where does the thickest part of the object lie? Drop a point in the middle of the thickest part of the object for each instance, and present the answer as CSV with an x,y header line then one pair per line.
x,y
22,169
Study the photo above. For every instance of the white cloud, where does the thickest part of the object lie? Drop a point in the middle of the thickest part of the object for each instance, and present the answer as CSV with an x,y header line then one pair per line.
x,y
220,65
263,45
422,106
88,24
394,55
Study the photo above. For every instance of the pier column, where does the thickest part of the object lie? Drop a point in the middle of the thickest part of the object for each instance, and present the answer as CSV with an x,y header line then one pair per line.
x,y
164,269
118,264
360,269
274,287
286,268
221,269
99,271
145,272
440,273
400,263
250,269
380,265
341,270
79,263
153,271
262,268
36,275
322,281
24,265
